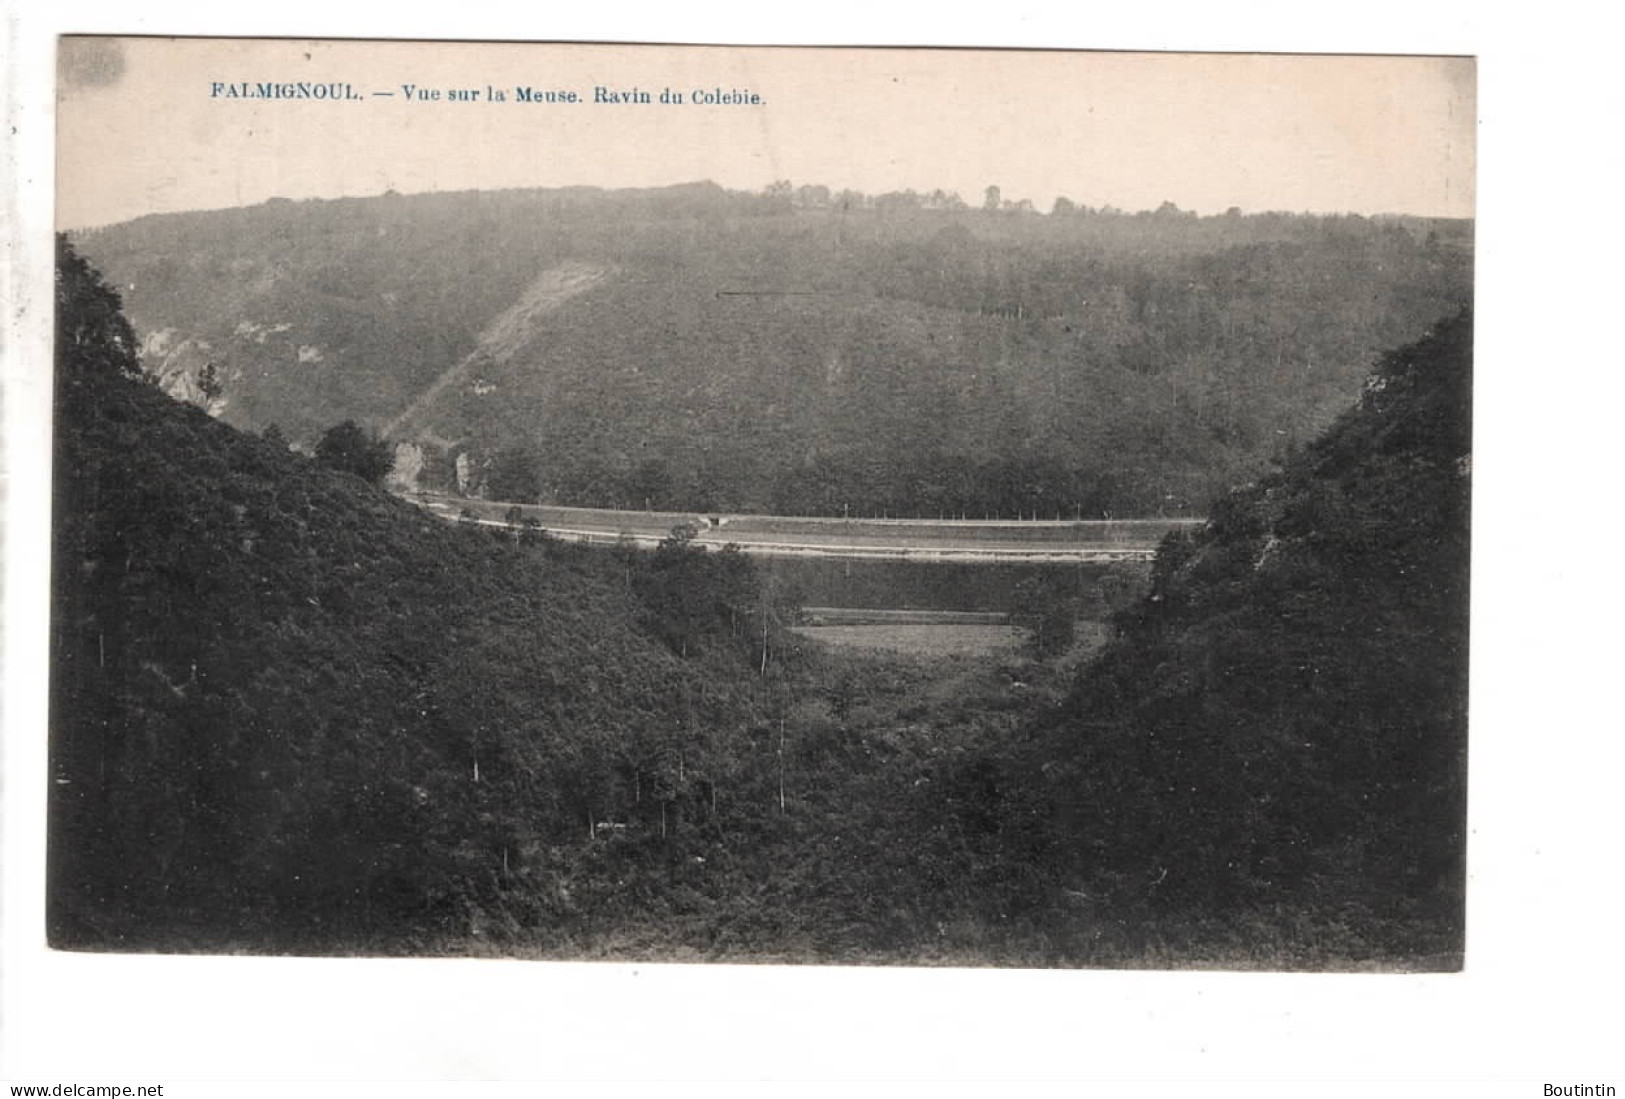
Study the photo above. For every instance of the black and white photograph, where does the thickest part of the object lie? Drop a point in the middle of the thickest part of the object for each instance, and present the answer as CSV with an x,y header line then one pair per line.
x,y
848,548
851,507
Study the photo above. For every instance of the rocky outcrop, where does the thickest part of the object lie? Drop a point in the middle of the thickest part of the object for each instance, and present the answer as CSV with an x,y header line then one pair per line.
x,y
408,465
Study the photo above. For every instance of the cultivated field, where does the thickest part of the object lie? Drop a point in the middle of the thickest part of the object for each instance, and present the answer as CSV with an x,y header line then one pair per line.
x,y
866,616
919,640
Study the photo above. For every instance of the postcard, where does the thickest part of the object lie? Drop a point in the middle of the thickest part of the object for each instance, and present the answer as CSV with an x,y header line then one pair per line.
x,y
934,512
844,506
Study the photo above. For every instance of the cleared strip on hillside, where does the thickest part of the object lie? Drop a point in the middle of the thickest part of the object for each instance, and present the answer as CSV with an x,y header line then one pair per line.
x,y
511,329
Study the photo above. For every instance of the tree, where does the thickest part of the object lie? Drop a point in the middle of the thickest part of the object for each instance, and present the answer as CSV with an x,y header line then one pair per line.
x,y
348,448
692,593
532,533
515,473
627,554
898,200
209,383
778,605
92,335
1049,617
812,196
650,484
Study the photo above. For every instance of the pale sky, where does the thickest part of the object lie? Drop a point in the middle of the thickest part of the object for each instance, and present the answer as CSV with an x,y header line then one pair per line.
x,y
139,132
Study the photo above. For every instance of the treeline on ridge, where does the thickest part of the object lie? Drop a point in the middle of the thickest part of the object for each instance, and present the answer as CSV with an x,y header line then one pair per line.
x,y
769,352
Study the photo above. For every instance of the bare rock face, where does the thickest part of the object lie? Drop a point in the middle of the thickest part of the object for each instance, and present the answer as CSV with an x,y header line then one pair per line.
x,y
177,363
408,465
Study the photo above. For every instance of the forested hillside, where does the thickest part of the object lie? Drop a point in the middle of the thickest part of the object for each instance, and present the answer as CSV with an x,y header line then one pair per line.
x,y
291,712
1280,730
697,348
288,708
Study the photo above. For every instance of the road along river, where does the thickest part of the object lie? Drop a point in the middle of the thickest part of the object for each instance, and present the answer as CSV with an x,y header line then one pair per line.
x,y
963,541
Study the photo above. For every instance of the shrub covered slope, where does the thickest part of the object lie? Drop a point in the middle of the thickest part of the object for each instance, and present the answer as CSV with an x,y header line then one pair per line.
x,y
289,707
1280,726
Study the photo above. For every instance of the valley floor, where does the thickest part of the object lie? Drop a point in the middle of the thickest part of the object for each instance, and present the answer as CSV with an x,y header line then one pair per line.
x,y
870,862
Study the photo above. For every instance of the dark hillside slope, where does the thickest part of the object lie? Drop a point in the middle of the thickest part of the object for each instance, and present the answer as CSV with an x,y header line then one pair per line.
x,y
1281,725
291,710
698,348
